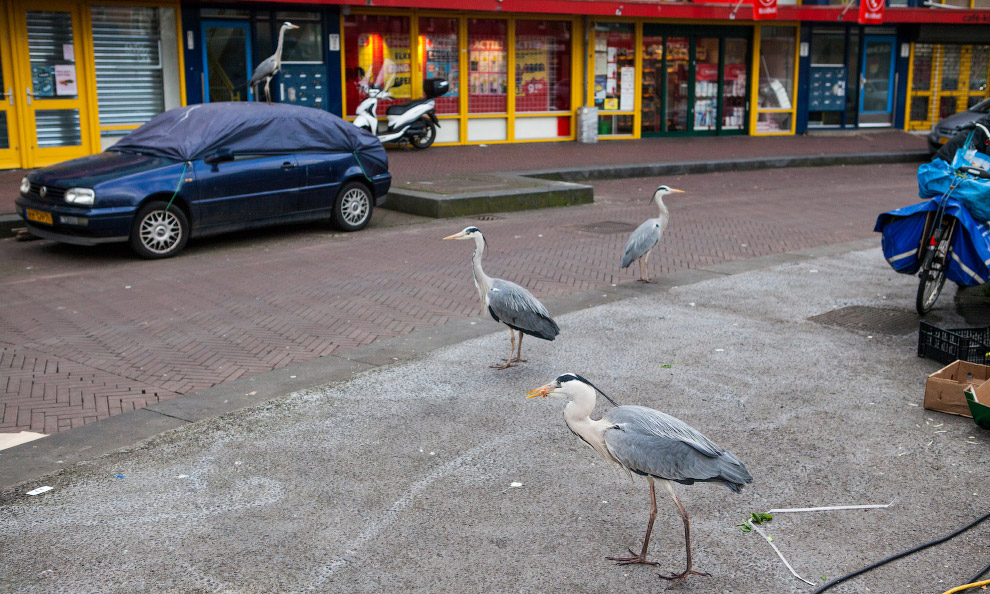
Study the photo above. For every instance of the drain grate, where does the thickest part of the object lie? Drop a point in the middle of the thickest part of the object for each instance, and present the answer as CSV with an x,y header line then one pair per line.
x,y
488,217
606,227
877,320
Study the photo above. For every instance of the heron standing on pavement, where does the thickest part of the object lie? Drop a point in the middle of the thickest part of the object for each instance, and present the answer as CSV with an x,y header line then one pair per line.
x,y
271,65
648,235
508,303
649,443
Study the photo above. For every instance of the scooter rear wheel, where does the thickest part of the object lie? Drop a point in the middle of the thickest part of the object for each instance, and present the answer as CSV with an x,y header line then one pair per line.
x,y
426,137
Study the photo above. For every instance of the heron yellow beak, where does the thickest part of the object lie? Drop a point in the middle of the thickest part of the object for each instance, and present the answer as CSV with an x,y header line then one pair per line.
x,y
541,391
677,191
455,236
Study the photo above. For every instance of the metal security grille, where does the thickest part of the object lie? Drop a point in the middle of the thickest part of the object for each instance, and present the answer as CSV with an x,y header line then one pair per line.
x,y
127,52
50,47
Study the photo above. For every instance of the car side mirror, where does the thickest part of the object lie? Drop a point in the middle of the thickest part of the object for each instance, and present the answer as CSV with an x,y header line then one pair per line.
x,y
220,156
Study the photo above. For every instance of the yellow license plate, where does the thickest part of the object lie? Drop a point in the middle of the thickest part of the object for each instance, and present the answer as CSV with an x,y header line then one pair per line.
x,y
943,140
38,217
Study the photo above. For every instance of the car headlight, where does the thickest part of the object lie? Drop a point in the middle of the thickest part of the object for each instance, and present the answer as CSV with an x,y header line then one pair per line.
x,y
25,185
80,196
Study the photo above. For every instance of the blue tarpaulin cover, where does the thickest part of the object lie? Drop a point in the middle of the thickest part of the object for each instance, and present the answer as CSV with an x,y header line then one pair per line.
x,y
934,179
902,231
196,131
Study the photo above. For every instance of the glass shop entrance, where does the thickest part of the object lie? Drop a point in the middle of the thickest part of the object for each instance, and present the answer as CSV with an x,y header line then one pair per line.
x,y
695,80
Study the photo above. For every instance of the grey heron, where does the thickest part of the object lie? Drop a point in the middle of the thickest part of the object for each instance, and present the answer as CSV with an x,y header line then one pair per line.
x,y
648,235
270,66
508,303
649,443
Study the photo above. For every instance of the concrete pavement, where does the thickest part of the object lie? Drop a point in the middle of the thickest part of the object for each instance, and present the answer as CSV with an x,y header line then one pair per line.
x,y
436,475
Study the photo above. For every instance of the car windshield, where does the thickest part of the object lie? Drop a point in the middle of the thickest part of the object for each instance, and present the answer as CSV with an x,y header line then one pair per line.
x,y
981,107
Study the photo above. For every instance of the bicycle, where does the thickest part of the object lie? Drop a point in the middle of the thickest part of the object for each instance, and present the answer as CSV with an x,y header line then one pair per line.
x,y
939,230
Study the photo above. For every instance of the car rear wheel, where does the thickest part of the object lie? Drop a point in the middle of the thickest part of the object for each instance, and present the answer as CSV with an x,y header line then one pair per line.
x,y
353,206
159,231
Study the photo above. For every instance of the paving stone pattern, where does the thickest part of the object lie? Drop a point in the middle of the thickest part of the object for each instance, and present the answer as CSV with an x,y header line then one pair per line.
x,y
89,333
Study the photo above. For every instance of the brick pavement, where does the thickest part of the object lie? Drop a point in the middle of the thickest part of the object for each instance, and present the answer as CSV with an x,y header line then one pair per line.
x,y
89,333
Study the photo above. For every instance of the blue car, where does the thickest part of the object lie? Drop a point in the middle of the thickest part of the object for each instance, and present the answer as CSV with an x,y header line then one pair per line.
x,y
206,169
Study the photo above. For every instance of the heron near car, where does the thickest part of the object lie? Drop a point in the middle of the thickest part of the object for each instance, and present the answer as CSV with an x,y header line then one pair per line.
x,y
651,444
206,169
270,66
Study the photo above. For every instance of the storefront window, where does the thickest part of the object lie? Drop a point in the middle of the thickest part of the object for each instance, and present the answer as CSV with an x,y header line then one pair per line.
x,y
614,76
488,66
735,84
543,66
376,49
304,44
438,58
776,79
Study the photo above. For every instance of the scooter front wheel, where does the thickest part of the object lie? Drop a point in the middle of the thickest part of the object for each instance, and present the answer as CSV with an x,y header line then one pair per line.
x,y
424,138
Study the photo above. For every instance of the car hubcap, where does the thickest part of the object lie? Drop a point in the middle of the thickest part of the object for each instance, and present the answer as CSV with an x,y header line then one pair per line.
x,y
160,231
354,207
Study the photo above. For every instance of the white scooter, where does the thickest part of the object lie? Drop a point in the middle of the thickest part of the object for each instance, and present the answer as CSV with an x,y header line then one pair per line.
x,y
414,122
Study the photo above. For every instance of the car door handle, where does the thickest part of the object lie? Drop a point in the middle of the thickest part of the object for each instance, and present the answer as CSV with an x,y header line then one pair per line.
x,y
288,165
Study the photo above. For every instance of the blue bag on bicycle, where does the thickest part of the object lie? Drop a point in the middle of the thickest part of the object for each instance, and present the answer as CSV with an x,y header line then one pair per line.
x,y
903,231
935,178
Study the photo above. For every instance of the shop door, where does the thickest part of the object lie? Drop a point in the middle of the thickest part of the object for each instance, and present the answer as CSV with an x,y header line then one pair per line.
x,y
51,83
876,96
227,61
695,81
10,157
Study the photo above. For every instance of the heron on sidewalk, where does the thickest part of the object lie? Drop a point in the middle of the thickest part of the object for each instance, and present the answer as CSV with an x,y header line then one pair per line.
x,y
270,66
648,235
650,443
508,303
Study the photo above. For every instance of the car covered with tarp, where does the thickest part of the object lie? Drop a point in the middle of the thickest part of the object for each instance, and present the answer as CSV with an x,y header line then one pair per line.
x,y
210,168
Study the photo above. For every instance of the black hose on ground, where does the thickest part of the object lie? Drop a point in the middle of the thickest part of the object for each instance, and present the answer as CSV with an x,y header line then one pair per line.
x,y
848,576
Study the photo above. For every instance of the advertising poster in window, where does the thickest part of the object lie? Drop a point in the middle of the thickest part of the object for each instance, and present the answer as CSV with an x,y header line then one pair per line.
x,y
389,52
532,92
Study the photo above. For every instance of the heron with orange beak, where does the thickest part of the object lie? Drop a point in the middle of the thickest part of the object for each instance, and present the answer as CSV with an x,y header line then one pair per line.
x,y
647,235
508,303
651,444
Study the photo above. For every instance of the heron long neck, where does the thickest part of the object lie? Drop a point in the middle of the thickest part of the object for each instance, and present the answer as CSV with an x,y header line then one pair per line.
x,y
577,415
481,280
664,213
278,50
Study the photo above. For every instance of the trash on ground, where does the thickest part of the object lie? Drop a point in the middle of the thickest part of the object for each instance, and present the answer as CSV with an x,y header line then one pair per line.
x,y
40,490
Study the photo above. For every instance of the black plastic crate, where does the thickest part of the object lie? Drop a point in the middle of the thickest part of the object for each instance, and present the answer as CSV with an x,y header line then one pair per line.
x,y
945,346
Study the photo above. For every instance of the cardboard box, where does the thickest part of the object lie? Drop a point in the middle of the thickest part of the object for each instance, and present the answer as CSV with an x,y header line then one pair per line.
x,y
944,388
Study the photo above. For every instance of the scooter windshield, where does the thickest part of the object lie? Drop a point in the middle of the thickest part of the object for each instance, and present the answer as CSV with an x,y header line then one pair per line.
x,y
386,75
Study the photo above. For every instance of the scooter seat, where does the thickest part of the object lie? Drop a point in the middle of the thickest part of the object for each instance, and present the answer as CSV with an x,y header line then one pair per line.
x,y
395,110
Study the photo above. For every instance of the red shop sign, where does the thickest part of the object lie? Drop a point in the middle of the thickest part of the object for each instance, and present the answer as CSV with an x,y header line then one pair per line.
x,y
766,9
870,12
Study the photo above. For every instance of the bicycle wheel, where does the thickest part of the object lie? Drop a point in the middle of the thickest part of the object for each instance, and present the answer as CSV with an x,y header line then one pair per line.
x,y
930,286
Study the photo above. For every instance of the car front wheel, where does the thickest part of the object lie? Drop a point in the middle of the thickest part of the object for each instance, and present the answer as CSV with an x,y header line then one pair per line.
x,y
159,231
353,206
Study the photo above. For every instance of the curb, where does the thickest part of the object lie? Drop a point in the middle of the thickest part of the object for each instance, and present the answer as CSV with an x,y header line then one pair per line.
x,y
563,188
58,453
750,164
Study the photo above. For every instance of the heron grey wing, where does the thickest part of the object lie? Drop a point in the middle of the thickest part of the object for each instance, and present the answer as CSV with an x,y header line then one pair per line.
x,y
516,307
641,241
651,442
264,70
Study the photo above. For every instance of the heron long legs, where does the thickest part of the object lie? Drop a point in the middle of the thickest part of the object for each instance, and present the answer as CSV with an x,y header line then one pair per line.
x,y
641,557
518,358
687,538
646,265
512,350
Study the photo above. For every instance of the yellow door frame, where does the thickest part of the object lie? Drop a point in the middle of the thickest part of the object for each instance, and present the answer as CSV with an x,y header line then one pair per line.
x,y
32,155
754,87
10,157
636,113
